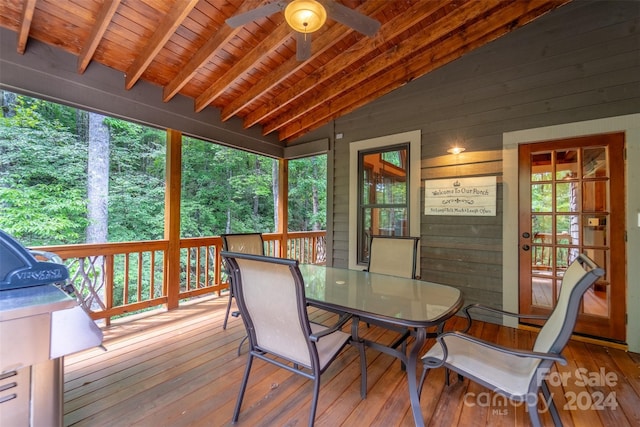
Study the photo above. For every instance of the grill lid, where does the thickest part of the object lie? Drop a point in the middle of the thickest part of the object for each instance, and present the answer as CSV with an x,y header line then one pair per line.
x,y
20,269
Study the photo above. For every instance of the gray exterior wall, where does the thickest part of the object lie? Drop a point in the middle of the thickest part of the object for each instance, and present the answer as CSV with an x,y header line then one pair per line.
x,y
578,63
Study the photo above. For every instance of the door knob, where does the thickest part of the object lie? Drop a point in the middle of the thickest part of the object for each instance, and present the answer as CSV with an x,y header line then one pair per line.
x,y
525,247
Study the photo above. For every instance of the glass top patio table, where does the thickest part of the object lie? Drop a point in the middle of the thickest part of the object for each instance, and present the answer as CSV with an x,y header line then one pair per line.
x,y
395,302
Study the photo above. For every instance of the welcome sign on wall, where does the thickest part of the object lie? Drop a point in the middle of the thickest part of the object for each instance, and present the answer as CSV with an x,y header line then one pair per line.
x,y
460,196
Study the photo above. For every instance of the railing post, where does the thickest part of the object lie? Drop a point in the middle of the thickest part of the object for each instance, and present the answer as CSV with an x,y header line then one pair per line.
x,y
283,204
172,216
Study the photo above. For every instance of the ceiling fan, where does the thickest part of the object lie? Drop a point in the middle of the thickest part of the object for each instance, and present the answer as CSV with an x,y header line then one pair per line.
x,y
308,16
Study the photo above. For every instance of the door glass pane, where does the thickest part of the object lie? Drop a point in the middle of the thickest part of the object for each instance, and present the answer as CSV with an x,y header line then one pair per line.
x,y
541,231
566,164
541,198
567,230
541,226
541,167
594,230
567,197
596,299
542,291
594,162
594,196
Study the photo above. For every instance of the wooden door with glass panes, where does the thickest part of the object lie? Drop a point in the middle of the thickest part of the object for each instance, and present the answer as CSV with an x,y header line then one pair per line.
x,y
571,201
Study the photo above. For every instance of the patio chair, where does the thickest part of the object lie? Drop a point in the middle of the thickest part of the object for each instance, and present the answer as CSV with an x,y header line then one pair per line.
x,y
395,256
270,293
514,373
248,243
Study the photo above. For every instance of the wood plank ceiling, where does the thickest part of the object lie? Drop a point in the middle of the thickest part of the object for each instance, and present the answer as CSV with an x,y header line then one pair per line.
x,y
186,47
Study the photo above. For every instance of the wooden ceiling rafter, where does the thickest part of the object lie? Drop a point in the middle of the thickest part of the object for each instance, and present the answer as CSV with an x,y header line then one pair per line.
x,y
265,47
331,70
333,36
103,19
454,47
209,49
396,54
25,25
179,11
185,47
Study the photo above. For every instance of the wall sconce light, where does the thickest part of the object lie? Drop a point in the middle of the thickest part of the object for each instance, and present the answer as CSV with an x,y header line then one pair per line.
x,y
455,150
305,16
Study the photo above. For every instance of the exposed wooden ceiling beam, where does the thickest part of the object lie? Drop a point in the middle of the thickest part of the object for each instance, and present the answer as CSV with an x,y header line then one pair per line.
x,y
251,72
265,47
25,25
441,28
332,36
163,33
452,48
222,36
103,20
362,48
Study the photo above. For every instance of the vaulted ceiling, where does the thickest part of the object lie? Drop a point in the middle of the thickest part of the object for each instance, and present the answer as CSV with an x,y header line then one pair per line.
x,y
251,71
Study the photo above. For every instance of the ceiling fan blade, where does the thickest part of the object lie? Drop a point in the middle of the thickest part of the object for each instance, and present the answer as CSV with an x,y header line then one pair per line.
x,y
257,13
303,46
352,18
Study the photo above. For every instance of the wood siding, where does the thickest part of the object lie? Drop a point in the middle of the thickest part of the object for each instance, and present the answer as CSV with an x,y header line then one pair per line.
x,y
579,63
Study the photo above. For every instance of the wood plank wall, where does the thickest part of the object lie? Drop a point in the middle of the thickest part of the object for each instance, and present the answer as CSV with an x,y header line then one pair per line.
x,y
580,62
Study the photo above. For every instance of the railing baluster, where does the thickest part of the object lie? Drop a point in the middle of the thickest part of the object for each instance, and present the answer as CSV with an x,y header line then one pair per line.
x,y
152,274
125,295
98,271
139,276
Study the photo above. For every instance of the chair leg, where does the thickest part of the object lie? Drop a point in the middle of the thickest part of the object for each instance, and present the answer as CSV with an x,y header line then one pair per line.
x,y
549,403
243,387
314,401
226,316
242,342
532,408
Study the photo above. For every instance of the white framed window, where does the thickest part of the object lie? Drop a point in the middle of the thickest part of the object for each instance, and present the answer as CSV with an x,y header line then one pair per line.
x,y
361,207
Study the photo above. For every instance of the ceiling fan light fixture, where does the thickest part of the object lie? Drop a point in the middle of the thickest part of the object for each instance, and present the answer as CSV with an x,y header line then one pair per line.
x,y
305,16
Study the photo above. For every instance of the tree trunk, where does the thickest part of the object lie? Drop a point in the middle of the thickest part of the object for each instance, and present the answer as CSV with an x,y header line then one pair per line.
x,y
97,179
7,103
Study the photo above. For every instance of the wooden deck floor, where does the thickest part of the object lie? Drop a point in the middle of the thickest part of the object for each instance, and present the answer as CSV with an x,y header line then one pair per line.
x,y
180,368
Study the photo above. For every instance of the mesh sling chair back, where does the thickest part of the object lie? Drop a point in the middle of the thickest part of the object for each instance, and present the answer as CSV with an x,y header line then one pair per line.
x,y
514,373
248,243
271,297
395,256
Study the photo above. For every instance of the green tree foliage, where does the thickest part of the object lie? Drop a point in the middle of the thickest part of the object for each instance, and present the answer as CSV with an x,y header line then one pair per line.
x,y
224,190
307,179
43,181
42,176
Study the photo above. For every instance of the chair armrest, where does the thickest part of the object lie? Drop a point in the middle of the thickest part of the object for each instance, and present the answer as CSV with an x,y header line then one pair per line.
x,y
512,351
331,329
498,311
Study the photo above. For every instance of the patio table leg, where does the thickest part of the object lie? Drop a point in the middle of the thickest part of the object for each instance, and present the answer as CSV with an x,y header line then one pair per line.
x,y
412,363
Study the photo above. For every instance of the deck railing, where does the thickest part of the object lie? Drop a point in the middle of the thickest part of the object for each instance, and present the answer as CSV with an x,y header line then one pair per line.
x,y
119,279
